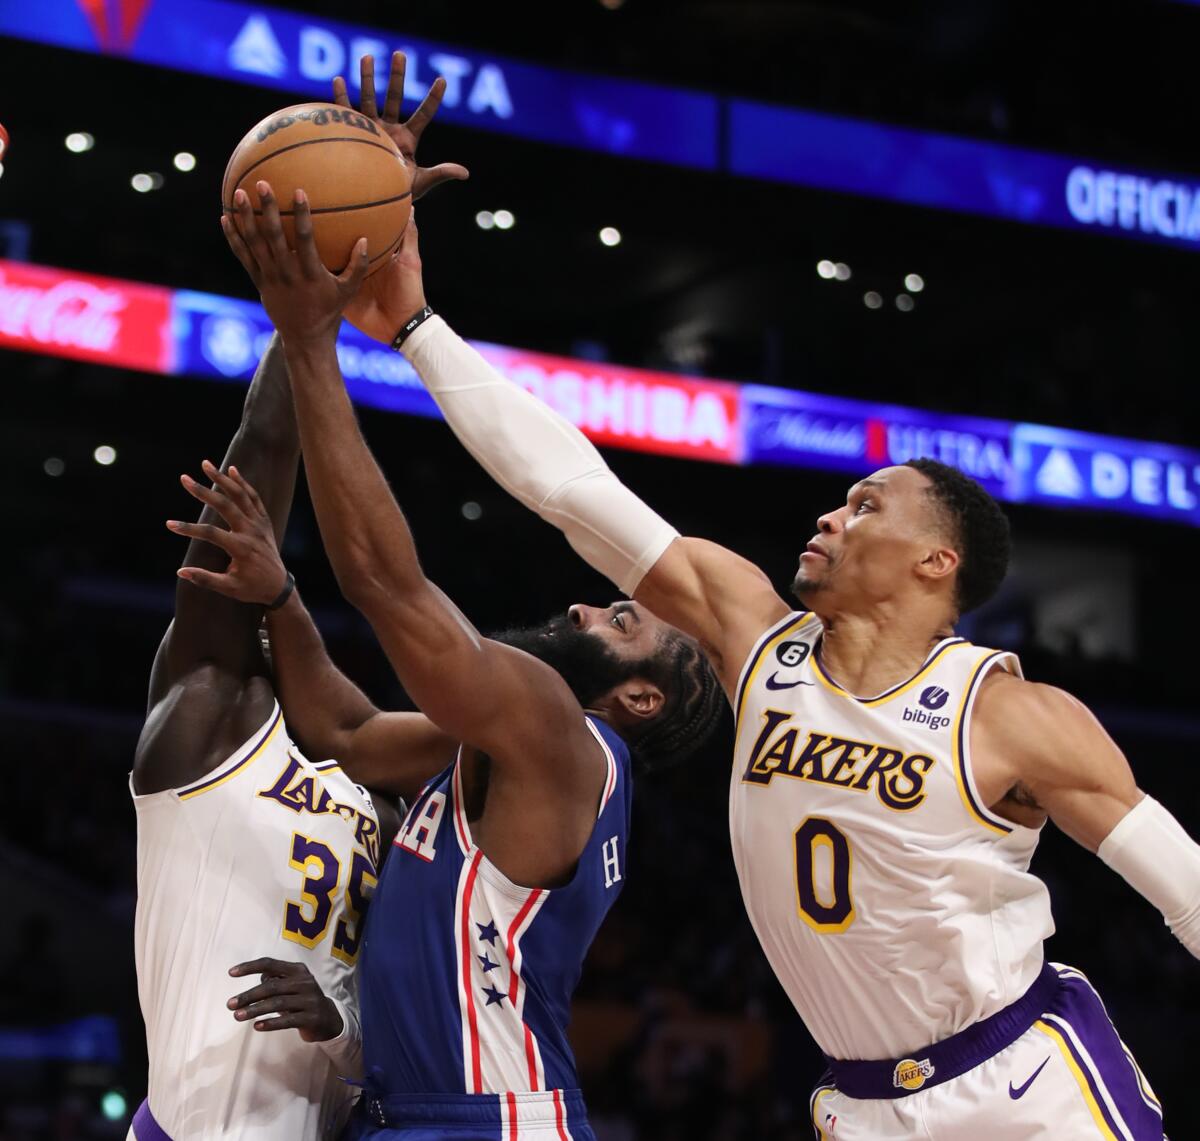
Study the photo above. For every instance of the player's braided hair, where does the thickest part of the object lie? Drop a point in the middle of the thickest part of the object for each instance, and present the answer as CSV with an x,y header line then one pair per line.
x,y
692,708
978,528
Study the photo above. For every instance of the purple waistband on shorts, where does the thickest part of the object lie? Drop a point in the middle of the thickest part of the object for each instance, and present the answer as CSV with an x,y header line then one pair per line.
x,y
145,1128
950,1058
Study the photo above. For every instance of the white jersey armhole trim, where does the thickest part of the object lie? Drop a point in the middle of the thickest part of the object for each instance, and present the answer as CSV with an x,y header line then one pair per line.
x,y
961,745
222,772
794,621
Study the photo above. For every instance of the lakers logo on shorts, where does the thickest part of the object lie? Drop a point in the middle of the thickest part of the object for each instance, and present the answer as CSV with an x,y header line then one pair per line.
x,y
912,1075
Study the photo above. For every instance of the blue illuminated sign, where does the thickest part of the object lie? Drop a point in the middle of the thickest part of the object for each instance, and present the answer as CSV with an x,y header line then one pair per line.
x,y
301,53
222,338
949,173
298,53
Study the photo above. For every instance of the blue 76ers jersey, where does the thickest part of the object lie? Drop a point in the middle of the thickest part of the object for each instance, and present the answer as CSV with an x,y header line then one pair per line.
x,y
465,979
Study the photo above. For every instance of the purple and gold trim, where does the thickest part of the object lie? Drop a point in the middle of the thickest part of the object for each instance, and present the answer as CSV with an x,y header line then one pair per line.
x,y
896,690
962,748
274,724
145,1128
789,625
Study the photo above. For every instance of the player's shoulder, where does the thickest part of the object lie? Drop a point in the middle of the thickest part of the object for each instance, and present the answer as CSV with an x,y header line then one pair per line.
x,y
1015,707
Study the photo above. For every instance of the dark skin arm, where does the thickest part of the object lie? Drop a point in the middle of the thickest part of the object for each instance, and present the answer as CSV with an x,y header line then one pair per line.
x,y
209,686
209,689
548,769
329,715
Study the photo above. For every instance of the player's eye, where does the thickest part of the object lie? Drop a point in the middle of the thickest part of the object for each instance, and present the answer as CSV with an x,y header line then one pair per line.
x,y
865,505
618,620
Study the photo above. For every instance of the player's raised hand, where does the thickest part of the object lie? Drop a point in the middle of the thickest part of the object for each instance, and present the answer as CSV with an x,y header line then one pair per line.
x,y
393,294
406,135
290,993
256,572
302,298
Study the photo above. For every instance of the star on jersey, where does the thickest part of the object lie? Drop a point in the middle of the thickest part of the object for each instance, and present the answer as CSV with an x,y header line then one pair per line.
x,y
494,996
488,932
486,963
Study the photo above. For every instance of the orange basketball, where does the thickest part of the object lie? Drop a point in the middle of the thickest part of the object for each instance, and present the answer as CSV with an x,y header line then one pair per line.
x,y
357,182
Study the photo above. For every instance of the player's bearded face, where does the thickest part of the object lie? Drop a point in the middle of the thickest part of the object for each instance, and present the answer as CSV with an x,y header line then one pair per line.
x,y
586,664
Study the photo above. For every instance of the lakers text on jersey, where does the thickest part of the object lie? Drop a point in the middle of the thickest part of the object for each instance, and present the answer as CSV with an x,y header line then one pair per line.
x,y
269,855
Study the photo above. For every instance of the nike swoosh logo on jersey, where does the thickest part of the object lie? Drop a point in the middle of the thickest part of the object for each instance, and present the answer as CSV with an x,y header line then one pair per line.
x,y
773,684
1019,1092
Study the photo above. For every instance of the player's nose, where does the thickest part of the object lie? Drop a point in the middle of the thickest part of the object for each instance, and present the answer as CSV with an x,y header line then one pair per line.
x,y
828,523
579,615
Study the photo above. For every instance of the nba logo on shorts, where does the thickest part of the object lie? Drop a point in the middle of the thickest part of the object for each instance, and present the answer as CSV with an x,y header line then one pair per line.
x,y
934,697
912,1075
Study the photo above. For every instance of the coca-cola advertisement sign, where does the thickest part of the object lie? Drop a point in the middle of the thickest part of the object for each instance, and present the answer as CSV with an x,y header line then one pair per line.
x,y
91,318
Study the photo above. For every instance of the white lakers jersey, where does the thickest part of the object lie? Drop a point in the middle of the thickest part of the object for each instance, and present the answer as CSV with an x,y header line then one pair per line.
x,y
267,855
894,908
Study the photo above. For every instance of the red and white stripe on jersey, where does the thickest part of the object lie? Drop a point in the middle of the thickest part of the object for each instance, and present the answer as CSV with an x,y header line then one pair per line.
x,y
522,1112
610,783
491,915
461,830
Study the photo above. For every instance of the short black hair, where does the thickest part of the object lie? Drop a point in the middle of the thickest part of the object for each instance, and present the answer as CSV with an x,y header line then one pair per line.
x,y
692,709
978,527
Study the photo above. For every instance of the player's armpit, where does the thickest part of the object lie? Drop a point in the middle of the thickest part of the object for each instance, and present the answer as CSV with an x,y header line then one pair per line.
x,y
1048,745
720,598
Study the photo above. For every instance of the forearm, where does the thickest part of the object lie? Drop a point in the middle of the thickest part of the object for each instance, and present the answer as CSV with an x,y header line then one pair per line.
x,y
539,457
323,707
1161,861
365,534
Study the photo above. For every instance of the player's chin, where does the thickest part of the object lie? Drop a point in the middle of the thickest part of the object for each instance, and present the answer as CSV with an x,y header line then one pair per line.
x,y
805,586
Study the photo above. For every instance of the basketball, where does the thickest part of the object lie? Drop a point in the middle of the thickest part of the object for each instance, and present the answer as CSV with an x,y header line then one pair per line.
x,y
358,184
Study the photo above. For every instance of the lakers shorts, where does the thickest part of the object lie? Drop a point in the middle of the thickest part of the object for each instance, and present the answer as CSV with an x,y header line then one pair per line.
x,y
1050,1065
556,1115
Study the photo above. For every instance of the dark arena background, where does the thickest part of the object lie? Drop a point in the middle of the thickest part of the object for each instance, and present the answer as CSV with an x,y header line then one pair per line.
x,y
758,249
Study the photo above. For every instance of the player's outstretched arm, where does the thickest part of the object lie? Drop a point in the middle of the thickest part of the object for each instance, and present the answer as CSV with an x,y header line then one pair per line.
x,y
328,714
1051,752
545,462
211,649
487,695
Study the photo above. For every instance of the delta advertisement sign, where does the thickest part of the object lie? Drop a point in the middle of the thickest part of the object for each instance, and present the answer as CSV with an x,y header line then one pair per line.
x,y
180,332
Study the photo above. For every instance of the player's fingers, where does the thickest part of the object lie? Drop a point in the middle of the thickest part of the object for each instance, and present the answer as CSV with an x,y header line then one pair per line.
x,y
268,989
272,225
419,119
284,1022
356,269
268,967
275,1004
427,177
306,246
250,231
340,95
248,489
395,89
237,244
230,487
366,71
210,580
206,533
214,498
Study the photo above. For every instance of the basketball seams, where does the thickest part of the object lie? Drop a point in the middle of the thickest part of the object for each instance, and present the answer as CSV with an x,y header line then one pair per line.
x,y
332,209
307,143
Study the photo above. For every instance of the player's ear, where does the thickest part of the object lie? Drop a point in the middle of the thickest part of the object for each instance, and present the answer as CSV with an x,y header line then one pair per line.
x,y
938,563
638,699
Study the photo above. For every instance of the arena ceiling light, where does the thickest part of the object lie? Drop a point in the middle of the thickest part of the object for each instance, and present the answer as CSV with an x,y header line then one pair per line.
x,y
485,220
826,269
841,271
905,303
872,300
184,161
610,236
105,455
79,141
504,219
914,283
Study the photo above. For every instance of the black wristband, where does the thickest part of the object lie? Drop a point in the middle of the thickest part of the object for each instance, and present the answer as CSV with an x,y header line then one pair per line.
x,y
285,593
410,326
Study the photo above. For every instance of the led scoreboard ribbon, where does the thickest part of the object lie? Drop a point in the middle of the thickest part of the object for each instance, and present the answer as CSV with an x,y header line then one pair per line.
x,y
178,332
301,53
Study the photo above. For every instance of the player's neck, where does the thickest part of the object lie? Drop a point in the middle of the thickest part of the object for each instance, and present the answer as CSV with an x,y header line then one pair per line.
x,y
869,653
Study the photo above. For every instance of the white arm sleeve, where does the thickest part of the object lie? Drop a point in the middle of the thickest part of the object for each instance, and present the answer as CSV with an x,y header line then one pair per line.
x,y
1150,849
345,1051
539,458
